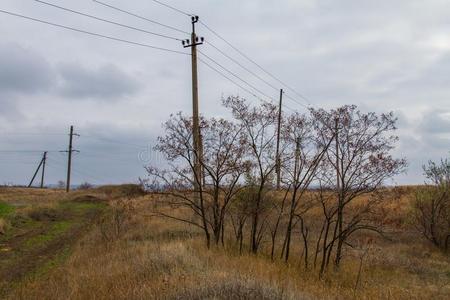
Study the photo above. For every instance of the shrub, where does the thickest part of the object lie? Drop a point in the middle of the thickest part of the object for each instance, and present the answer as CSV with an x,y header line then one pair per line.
x,y
61,184
113,224
432,205
85,186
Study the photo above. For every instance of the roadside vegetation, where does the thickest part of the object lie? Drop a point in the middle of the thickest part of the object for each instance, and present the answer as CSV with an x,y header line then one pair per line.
x,y
39,228
158,258
241,220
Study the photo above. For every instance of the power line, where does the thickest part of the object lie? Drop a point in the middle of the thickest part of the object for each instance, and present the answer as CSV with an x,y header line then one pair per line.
x,y
215,47
237,84
25,151
229,79
251,72
91,33
140,17
171,7
222,52
245,56
241,65
253,62
236,76
62,166
108,140
29,133
299,103
107,21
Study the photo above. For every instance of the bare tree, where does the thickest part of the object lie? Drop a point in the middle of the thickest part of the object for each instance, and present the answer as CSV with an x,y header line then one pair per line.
x,y
61,184
275,225
85,186
358,163
175,183
302,156
432,205
239,212
258,125
223,164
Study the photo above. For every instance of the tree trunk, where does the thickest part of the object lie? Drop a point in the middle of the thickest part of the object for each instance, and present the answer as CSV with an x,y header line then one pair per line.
x,y
254,233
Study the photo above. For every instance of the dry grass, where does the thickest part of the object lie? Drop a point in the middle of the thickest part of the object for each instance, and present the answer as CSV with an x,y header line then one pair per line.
x,y
28,201
21,196
4,225
160,259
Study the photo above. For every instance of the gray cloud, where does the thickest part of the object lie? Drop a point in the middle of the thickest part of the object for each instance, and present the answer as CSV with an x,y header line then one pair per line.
x,y
380,55
8,109
435,122
23,70
428,139
103,83
434,77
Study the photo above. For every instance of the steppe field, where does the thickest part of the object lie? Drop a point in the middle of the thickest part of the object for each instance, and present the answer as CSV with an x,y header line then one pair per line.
x,y
108,243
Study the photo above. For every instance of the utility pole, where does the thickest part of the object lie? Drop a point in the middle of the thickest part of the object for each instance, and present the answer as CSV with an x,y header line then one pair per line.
x,y
193,43
44,159
42,162
201,165
297,161
278,158
339,193
69,160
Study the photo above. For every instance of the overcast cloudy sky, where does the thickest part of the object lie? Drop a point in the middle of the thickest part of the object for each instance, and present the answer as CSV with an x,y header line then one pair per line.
x,y
380,55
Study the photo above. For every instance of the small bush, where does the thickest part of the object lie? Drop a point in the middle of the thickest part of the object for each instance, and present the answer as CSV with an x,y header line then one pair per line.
x,y
113,224
85,186
432,206
61,185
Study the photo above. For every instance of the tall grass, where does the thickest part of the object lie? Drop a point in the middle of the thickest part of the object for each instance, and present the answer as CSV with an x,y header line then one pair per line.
x,y
159,259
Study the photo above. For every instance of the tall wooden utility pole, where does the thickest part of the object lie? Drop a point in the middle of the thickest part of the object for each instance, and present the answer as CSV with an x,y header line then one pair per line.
x,y
41,163
278,158
44,159
339,192
202,168
193,43
69,159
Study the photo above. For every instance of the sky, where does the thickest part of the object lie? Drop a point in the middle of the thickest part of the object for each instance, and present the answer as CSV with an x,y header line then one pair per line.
x,y
379,55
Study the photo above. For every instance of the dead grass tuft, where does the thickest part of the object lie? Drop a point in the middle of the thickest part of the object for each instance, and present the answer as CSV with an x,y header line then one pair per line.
x,y
4,225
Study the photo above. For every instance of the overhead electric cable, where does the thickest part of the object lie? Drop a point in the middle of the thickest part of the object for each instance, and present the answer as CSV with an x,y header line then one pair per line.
x,y
92,33
251,72
221,51
172,8
229,79
253,61
237,84
234,75
140,17
241,65
107,21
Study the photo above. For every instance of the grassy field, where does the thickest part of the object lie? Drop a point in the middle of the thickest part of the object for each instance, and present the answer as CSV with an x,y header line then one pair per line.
x,y
38,231
104,244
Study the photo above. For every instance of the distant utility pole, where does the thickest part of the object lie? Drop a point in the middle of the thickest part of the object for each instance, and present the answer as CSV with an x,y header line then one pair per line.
x,y
69,160
44,159
193,43
41,164
278,158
